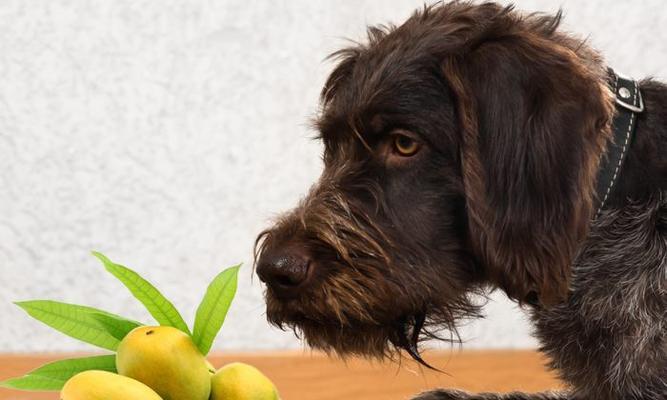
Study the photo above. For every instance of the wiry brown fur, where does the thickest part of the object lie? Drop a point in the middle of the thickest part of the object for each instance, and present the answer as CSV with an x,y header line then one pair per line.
x,y
512,117
362,276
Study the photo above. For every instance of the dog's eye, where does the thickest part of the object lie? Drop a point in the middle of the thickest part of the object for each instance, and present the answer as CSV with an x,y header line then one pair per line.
x,y
405,145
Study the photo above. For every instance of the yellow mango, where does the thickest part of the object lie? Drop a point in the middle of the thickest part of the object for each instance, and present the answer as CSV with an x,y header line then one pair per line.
x,y
167,360
239,381
103,385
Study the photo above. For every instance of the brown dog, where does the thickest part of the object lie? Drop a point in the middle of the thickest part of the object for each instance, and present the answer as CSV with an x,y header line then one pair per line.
x,y
461,151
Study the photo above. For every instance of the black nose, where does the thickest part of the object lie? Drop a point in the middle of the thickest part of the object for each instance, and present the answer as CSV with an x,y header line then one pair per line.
x,y
286,271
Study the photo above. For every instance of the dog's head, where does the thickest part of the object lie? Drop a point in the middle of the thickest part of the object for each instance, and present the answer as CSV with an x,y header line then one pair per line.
x,y
460,150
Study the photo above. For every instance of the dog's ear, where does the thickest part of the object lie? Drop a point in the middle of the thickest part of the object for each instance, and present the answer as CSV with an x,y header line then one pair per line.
x,y
534,121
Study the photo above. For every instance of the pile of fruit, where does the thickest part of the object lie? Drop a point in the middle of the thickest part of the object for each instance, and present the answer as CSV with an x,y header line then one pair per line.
x,y
150,362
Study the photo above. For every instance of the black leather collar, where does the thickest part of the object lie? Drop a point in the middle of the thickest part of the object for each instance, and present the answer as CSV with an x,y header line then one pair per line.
x,y
629,104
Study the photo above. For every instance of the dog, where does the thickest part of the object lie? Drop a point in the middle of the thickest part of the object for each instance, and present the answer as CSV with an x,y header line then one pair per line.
x,y
470,149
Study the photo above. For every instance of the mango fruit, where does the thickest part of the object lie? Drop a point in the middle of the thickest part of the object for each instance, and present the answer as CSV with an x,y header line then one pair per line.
x,y
239,381
167,360
103,385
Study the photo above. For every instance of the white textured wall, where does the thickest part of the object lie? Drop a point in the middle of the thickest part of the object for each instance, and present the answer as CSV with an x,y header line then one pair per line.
x,y
166,133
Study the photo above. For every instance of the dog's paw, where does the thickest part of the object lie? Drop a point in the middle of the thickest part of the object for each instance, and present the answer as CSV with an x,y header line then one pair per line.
x,y
444,394
451,394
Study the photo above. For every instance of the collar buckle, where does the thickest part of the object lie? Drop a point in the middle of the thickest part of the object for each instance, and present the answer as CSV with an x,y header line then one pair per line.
x,y
636,109
627,93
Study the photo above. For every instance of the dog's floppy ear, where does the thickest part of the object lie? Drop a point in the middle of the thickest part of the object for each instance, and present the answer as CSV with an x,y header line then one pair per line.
x,y
534,121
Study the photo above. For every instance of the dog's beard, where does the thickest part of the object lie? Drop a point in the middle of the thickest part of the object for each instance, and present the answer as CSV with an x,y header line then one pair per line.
x,y
376,293
371,326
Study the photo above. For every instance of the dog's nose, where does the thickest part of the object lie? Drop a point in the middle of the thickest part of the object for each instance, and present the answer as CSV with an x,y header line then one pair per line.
x,y
285,271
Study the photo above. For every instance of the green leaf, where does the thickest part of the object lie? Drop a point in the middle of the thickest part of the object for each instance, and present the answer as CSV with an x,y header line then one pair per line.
x,y
72,320
53,376
117,327
157,305
213,308
33,382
